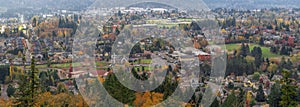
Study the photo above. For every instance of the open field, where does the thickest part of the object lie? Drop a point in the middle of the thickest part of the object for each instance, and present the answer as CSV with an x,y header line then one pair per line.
x,y
265,50
143,61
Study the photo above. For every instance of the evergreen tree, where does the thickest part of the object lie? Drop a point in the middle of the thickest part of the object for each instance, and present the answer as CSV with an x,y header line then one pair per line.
x,y
195,26
34,22
4,73
215,103
244,50
29,87
117,31
241,97
168,90
118,91
260,96
288,97
284,51
282,63
10,90
261,41
119,13
247,49
195,99
298,95
268,61
230,85
61,88
230,101
289,65
274,96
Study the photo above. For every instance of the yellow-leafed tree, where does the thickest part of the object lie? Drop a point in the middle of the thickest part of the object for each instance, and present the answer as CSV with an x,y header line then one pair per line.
x,y
147,99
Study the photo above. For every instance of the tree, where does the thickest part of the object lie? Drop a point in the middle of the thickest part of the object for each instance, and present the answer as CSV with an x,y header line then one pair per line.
x,y
244,50
230,85
298,96
147,99
119,13
288,97
272,68
195,26
284,51
117,90
282,63
289,65
239,66
261,41
29,87
4,72
215,103
260,96
61,88
268,61
257,54
274,96
10,90
34,22
196,98
136,49
241,97
230,101
117,31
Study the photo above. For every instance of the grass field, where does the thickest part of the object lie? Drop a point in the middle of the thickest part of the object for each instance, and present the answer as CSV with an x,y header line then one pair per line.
x,y
144,61
78,64
265,50
147,68
168,25
63,65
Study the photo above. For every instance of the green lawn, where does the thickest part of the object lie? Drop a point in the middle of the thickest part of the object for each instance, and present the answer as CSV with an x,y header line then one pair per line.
x,y
143,61
265,50
147,68
168,25
63,65
186,19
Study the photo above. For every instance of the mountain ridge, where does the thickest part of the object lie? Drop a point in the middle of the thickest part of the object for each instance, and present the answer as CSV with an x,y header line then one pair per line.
x,y
82,4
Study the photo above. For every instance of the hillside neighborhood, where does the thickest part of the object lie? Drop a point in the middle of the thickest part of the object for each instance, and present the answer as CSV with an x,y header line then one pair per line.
x,y
45,58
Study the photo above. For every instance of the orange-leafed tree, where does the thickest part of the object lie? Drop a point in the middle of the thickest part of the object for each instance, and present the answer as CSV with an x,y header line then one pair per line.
x,y
147,99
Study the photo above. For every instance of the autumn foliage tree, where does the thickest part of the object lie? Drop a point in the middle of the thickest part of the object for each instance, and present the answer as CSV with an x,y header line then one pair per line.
x,y
147,99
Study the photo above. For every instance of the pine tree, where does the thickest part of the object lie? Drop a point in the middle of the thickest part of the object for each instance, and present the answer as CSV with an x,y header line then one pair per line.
x,y
230,101
288,97
274,96
34,22
282,63
247,49
230,85
289,65
215,103
261,41
29,87
260,96
241,97
10,90
243,50
298,95
117,90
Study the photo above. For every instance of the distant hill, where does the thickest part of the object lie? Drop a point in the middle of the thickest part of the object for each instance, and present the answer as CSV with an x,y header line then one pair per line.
x,y
56,4
151,5
81,4
252,4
